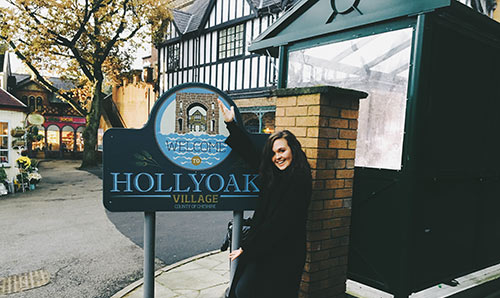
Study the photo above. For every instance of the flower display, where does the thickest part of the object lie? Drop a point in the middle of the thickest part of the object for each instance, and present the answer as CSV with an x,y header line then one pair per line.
x,y
34,177
28,175
24,162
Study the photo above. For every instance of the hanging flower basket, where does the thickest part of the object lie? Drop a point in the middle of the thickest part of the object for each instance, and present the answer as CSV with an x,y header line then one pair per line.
x,y
18,143
17,132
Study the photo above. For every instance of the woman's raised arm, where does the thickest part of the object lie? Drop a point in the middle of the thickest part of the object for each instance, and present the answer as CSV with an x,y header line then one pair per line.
x,y
238,139
227,114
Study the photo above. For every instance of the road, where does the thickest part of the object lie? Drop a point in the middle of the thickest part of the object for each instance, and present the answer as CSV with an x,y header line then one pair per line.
x,y
179,235
62,228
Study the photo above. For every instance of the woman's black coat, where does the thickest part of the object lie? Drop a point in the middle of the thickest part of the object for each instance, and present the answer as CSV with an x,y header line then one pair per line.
x,y
276,243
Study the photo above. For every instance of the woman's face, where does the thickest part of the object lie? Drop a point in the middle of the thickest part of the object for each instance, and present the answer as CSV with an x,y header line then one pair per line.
x,y
282,157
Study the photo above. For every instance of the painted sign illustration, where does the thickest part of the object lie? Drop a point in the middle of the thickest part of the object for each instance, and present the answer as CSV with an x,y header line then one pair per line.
x,y
190,131
179,160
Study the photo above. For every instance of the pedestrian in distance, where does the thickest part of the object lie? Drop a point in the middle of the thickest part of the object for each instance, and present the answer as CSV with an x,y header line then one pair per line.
x,y
271,257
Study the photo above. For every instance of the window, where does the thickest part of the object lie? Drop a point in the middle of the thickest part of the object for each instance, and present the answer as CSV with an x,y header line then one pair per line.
x,y
39,145
173,57
53,138
34,104
39,103
68,138
231,41
31,103
4,143
378,64
212,125
79,138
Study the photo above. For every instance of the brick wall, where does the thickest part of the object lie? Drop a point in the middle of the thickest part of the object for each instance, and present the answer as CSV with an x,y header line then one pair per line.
x,y
324,119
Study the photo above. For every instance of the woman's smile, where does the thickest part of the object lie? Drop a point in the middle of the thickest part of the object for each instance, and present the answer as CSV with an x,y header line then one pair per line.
x,y
282,157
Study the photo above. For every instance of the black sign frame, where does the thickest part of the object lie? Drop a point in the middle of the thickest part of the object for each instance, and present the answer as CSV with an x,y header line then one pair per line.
x,y
139,176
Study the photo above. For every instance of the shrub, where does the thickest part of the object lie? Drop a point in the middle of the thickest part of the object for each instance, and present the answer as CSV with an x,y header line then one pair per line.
x,y
3,174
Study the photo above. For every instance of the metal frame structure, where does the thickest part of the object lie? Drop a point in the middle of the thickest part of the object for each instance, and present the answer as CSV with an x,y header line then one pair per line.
x,y
435,218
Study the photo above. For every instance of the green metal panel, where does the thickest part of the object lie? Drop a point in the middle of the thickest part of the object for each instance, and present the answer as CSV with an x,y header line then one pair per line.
x,y
309,19
455,226
381,27
380,247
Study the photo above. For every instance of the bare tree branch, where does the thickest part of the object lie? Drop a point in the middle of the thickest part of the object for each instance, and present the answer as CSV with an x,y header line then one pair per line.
x,y
42,80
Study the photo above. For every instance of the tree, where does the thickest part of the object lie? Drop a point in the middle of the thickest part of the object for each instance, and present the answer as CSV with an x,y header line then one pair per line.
x,y
82,40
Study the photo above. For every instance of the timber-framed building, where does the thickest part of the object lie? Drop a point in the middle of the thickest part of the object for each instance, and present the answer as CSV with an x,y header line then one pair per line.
x,y
207,42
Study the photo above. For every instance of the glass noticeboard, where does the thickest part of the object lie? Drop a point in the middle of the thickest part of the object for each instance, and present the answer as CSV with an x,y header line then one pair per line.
x,y
377,64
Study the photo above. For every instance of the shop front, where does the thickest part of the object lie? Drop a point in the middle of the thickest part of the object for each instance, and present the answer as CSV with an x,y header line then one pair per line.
x,y
62,138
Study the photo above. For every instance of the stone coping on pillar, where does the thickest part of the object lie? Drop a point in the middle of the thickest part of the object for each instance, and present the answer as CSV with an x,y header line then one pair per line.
x,y
321,90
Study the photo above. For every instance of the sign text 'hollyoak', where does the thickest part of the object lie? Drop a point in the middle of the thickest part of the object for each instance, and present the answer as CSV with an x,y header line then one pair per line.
x,y
179,160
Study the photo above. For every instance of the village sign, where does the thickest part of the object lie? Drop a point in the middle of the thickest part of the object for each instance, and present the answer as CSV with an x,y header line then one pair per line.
x,y
178,161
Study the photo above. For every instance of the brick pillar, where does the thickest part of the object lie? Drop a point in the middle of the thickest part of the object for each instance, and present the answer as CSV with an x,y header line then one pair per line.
x,y
324,119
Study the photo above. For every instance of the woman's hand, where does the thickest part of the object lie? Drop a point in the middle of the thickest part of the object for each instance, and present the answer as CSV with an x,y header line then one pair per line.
x,y
227,114
235,254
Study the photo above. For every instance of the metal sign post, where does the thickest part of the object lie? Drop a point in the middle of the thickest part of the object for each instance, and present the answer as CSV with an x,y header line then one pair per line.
x,y
149,254
236,238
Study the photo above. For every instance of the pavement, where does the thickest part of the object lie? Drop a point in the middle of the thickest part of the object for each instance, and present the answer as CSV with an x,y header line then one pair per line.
x,y
71,239
60,230
207,276
202,276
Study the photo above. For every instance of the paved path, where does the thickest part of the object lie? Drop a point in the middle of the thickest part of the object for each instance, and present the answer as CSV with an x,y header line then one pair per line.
x,y
61,227
201,276
207,276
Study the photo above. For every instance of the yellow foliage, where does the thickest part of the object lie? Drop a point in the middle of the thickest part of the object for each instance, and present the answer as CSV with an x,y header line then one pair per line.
x,y
82,38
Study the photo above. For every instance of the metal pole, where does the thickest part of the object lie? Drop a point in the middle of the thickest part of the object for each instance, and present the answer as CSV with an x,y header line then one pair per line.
x,y
260,115
236,237
149,254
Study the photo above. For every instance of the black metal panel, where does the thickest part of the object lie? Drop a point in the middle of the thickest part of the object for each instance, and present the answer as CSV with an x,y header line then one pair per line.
x,y
377,229
437,219
458,175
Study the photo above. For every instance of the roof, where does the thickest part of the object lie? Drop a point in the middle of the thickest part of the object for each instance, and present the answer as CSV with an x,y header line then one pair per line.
x,y
24,79
259,4
111,113
181,20
61,84
21,77
314,18
310,19
191,17
197,10
8,100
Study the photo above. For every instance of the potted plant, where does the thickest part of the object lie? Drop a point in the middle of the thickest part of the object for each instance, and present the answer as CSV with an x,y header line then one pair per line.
x,y
34,178
3,180
24,163
3,175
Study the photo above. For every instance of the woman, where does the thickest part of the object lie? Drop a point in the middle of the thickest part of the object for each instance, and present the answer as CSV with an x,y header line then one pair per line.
x,y
272,257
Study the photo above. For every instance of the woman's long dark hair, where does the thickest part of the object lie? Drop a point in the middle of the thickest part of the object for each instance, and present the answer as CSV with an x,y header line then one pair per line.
x,y
299,164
